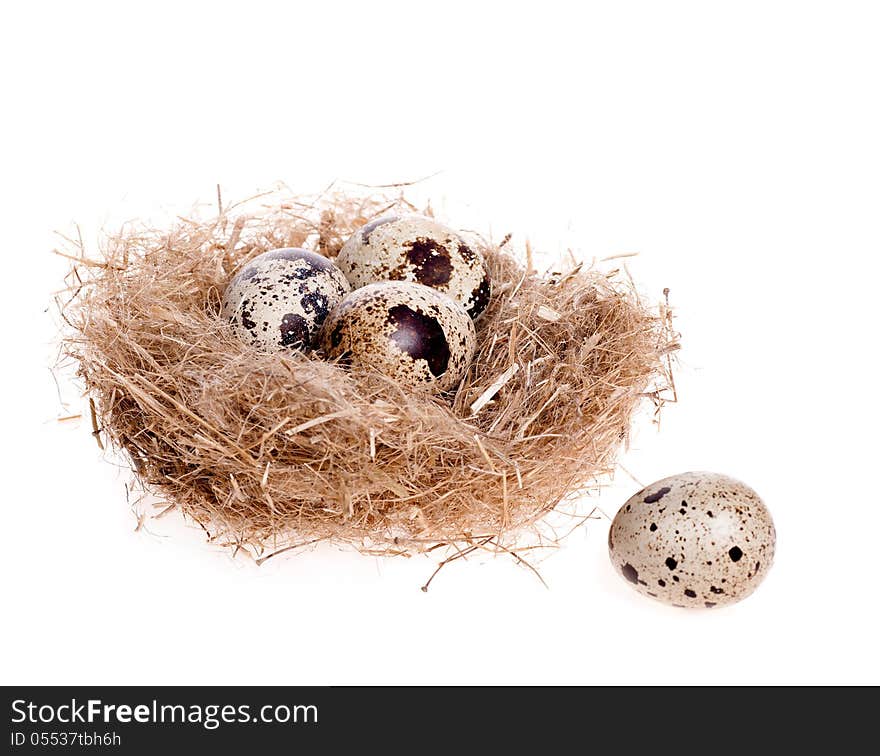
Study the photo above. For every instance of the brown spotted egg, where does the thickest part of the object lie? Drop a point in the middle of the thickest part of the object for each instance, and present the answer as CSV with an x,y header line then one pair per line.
x,y
409,332
698,539
418,249
279,299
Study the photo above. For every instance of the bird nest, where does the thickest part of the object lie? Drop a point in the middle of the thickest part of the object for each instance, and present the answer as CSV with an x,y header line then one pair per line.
x,y
271,451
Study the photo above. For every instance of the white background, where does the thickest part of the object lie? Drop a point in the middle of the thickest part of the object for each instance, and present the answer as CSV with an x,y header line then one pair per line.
x,y
735,146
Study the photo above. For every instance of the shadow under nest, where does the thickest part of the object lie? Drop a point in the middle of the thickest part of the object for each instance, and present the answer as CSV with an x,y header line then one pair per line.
x,y
267,452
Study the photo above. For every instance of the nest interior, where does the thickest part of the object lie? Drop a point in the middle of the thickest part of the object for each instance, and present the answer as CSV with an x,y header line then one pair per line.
x,y
270,451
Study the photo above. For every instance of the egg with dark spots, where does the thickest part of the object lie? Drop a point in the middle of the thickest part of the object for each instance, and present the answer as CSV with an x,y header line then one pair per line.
x,y
280,298
421,250
698,539
407,331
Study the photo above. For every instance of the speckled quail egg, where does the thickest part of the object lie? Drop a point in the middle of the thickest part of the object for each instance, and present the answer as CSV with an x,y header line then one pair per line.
x,y
279,299
698,539
418,249
413,334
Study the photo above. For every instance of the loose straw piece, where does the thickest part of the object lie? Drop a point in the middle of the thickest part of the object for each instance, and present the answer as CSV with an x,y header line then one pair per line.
x,y
548,313
484,453
96,431
314,422
483,399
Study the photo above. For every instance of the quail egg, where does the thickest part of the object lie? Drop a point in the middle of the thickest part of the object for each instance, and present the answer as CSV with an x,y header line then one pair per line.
x,y
698,539
407,331
279,299
418,249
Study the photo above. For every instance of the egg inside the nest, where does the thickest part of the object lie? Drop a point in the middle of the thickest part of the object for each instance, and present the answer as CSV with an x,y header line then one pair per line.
x,y
697,539
407,331
280,298
421,250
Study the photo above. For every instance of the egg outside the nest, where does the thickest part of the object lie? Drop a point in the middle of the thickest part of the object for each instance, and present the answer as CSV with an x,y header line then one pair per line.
x,y
280,298
697,539
421,250
411,333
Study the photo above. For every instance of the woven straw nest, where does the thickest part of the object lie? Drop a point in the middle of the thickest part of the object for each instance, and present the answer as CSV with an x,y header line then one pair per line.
x,y
267,452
